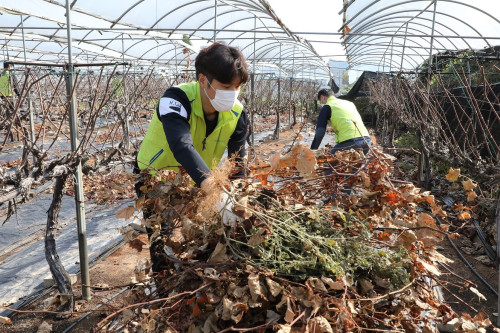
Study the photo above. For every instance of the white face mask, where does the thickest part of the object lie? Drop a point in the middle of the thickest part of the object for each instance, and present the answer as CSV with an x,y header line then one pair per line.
x,y
224,99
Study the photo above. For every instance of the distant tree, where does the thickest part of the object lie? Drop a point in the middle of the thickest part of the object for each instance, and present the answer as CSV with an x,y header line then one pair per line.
x,y
345,78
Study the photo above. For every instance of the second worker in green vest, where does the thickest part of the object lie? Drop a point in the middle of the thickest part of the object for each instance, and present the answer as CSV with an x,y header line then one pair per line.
x,y
342,115
195,122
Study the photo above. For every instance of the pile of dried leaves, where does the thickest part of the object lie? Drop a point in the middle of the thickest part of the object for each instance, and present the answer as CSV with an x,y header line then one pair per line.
x,y
322,244
106,186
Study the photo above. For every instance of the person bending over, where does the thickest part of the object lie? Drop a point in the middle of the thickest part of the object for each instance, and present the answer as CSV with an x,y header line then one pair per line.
x,y
350,132
195,122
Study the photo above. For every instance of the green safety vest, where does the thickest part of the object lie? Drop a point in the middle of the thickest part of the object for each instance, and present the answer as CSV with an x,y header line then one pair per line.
x,y
118,86
155,151
345,120
5,87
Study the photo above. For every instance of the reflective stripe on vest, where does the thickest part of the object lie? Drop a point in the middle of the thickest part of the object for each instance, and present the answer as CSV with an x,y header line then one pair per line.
x,y
345,120
155,151
5,87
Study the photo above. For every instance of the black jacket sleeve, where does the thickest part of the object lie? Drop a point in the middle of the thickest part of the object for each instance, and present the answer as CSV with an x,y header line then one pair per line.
x,y
236,144
177,131
324,115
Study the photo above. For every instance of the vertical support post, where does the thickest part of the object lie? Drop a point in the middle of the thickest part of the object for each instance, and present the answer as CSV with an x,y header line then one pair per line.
x,y
252,87
291,85
215,20
392,53
424,161
404,46
176,68
468,70
28,97
79,199
278,129
123,99
253,81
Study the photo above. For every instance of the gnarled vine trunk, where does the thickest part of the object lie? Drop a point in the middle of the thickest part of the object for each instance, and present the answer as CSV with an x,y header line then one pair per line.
x,y
59,273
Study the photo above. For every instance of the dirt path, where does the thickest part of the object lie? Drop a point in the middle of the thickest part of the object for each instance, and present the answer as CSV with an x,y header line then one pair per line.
x,y
114,271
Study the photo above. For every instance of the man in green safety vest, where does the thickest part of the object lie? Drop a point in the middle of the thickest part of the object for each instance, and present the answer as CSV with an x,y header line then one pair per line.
x,y
344,118
117,86
8,85
195,122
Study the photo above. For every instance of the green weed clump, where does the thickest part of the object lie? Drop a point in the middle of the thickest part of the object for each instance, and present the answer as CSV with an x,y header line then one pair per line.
x,y
407,140
327,242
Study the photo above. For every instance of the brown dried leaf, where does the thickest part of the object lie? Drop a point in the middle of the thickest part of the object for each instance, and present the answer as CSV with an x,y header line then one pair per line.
x,y
254,286
274,287
227,308
430,268
427,197
137,244
241,208
463,216
406,239
125,212
175,239
289,314
319,324
453,174
240,309
139,203
335,285
284,328
274,161
306,161
365,285
468,184
424,219
315,283
365,179
219,254
471,195
438,211
258,238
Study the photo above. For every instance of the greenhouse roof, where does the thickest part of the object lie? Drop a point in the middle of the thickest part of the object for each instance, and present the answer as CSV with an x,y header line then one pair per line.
x,y
379,35
154,32
395,35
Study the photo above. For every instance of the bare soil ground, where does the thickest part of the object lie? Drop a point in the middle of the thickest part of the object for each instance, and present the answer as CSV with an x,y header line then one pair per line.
x,y
115,271
462,299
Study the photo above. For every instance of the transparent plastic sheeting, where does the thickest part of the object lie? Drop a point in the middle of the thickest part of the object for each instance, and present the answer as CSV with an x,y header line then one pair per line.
x,y
394,35
146,32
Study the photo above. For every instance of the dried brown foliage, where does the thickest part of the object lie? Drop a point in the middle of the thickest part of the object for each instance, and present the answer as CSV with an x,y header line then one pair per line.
x,y
379,273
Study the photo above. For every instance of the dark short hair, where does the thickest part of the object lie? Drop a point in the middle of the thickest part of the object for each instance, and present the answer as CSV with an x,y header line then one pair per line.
x,y
325,92
6,64
221,62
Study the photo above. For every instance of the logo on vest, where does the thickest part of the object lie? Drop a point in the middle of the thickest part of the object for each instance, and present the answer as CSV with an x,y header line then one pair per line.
x,y
174,105
170,105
